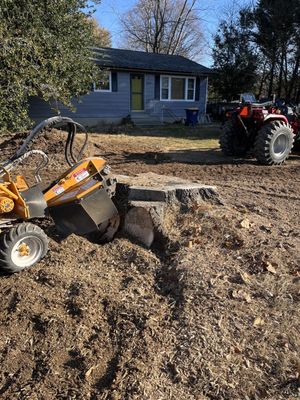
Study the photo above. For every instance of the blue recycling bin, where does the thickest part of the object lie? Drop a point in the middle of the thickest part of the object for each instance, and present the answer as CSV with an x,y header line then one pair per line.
x,y
191,116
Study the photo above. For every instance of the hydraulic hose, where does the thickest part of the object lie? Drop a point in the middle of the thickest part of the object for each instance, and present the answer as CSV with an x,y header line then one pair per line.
x,y
69,148
52,123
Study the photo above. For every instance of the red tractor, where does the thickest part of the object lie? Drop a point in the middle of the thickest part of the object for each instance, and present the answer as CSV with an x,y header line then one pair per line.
x,y
263,128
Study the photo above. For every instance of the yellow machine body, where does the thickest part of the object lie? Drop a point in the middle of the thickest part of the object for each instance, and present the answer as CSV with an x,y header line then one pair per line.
x,y
11,200
76,182
78,201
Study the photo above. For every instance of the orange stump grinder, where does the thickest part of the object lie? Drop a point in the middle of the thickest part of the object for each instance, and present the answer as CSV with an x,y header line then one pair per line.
x,y
79,201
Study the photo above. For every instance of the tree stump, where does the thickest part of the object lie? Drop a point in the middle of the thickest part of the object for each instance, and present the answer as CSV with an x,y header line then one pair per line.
x,y
147,198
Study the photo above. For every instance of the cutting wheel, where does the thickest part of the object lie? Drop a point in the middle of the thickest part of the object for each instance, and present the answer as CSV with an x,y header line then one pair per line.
x,y
107,230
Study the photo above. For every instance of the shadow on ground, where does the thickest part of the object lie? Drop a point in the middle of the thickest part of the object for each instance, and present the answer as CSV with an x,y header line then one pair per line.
x,y
192,156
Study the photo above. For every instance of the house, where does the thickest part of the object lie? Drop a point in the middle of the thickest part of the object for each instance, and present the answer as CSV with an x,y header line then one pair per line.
x,y
146,87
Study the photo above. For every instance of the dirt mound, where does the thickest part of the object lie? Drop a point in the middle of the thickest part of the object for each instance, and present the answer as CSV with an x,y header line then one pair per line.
x,y
213,315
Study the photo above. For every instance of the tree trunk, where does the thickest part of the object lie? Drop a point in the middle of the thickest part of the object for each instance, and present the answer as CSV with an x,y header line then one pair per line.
x,y
262,81
279,88
294,77
271,81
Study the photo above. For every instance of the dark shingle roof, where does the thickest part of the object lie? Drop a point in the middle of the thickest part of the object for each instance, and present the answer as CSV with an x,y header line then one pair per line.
x,y
140,60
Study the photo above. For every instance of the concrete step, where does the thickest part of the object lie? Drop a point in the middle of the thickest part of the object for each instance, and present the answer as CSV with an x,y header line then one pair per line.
x,y
146,122
144,119
140,114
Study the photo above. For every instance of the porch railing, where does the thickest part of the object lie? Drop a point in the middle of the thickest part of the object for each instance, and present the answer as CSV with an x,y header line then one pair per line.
x,y
168,112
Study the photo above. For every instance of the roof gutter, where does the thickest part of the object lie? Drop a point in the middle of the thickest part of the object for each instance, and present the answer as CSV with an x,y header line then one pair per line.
x,y
162,71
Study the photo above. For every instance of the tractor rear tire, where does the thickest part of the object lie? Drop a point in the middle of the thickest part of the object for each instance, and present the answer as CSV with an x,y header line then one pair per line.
x,y
21,247
274,143
232,143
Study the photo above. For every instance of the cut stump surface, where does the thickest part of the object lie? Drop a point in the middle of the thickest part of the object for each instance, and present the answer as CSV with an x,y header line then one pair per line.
x,y
148,199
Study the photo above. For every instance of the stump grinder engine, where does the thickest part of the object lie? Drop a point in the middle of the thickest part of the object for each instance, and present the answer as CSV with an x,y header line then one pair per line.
x,y
262,128
79,201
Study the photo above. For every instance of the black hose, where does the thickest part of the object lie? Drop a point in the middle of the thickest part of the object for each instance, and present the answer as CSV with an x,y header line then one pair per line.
x,y
69,141
52,123
80,153
69,148
74,131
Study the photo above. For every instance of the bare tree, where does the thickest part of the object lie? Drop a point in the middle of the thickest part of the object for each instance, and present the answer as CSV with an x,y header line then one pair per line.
x,y
164,26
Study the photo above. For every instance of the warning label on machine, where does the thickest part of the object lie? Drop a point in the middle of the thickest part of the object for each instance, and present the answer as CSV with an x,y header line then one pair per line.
x,y
58,190
81,175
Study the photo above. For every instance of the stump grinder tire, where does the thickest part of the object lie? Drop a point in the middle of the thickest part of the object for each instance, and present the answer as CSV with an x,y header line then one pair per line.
x,y
21,247
231,142
274,143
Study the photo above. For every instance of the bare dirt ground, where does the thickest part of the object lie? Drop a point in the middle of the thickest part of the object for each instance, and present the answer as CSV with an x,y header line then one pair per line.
x,y
214,315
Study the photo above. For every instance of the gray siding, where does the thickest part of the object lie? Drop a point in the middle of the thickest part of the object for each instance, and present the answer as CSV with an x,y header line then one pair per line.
x,y
110,107
149,91
107,106
203,95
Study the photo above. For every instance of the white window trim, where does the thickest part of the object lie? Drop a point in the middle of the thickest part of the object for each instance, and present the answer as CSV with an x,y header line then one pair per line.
x,y
170,87
104,90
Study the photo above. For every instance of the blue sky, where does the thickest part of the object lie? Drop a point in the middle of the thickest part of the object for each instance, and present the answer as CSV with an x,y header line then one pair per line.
x,y
109,13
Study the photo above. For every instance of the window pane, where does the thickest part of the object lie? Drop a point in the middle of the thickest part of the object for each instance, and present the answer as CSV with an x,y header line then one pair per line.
x,y
178,89
165,94
165,82
104,81
190,95
191,83
165,88
191,89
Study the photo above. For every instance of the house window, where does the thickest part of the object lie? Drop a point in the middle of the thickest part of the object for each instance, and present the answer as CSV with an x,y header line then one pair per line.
x,y
190,89
103,83
164,87
177,88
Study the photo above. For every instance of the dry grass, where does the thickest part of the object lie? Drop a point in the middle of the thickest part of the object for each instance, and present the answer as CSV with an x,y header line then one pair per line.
x,y
170,137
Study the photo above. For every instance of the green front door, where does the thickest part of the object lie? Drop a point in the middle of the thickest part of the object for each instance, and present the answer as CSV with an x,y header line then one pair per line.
x,y
137,92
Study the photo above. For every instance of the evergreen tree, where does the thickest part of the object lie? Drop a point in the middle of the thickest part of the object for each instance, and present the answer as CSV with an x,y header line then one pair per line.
x,y
44,51
277,36
235,59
